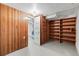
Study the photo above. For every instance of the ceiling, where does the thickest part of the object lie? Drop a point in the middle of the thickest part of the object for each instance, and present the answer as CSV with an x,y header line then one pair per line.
x,y
44,8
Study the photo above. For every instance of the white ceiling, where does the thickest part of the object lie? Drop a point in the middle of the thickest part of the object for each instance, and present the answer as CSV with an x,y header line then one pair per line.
x,y
44,8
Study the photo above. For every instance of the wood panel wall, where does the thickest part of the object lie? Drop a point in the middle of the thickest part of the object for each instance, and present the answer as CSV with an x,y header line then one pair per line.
x,y
63,29
43,30
54,29
13,30
68,29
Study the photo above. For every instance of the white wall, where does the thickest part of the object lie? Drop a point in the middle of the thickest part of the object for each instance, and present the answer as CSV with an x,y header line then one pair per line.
x,y
34,25
65,14
37,30
30,28
77,32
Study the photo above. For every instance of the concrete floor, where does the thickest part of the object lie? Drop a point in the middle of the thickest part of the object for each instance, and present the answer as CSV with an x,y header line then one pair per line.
x,y
52,48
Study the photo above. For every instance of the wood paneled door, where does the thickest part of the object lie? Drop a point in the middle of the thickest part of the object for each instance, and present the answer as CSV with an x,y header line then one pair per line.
x,y
13,29
43,30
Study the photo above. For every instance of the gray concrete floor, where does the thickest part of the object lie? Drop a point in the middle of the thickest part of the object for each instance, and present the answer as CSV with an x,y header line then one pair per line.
x,y
52,48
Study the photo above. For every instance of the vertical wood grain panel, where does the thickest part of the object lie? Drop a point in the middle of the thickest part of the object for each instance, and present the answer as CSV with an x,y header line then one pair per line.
x,y
9,30
22,30
0,29
3,29
43,30
19,29
13,30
